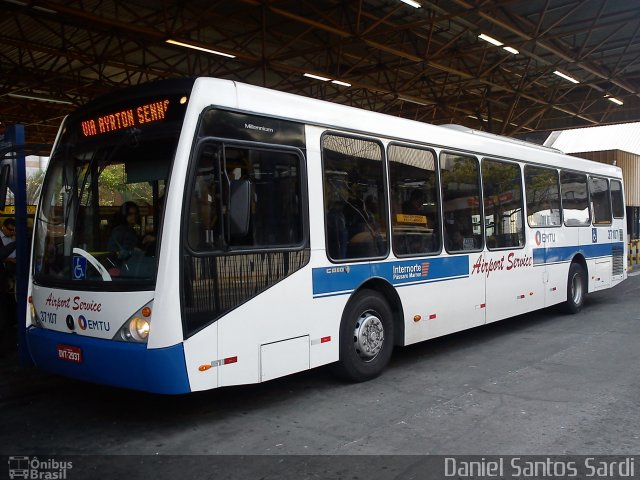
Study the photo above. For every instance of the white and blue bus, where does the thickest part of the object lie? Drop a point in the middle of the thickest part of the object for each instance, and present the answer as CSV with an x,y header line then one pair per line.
x,y
204,233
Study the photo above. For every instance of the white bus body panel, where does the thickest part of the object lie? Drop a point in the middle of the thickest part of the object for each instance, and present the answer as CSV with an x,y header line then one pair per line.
x,y
443,307
281,313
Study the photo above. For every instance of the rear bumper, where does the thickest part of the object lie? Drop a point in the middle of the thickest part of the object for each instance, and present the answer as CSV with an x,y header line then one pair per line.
x,y
120,364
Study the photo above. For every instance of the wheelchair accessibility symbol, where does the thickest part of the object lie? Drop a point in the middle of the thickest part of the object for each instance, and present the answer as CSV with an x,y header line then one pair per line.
x,y
79,268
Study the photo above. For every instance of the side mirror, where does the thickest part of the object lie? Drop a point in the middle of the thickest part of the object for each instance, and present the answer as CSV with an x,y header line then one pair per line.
x,y
239,208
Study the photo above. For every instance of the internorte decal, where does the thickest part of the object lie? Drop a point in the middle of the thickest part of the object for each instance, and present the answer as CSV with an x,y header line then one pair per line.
x,y
415,271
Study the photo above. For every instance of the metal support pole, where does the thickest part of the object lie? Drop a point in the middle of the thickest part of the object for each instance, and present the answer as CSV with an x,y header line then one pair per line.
x,y
15,135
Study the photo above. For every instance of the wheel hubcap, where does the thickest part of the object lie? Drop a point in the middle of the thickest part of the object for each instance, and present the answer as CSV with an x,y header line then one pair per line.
x,y
576,289
368,336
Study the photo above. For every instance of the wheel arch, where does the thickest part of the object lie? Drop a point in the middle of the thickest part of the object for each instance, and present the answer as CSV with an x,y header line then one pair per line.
x,y
580,260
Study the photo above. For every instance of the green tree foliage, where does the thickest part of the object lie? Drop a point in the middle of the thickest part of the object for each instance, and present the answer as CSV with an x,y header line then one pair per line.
x,y
34,184
114,189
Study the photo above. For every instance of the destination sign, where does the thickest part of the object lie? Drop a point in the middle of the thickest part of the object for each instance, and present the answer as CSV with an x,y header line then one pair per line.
x,y
137,116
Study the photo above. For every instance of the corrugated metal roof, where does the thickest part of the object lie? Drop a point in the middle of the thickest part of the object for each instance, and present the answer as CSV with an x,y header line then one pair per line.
x,y
625,137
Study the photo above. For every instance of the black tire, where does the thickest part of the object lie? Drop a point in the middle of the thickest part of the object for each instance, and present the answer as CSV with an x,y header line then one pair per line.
x,y
576,288
368,313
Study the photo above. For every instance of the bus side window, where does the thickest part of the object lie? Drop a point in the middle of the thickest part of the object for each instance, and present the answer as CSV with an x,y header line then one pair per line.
x,y
503,205
600,200
275,205
204,212
543,196
617,202
575,199
415,212
354,196
460,183
276,196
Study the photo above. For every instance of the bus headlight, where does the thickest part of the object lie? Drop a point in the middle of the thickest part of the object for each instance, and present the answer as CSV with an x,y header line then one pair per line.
x,y
137,328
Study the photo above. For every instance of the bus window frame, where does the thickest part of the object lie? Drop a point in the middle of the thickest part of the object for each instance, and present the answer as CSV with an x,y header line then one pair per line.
x,y
190,179
522,203
619,181
436,160
564,222
591,206
480,185
524,180
385,192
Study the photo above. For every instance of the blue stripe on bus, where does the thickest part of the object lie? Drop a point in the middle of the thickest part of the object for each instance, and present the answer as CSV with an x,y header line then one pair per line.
x,y
343,279
564,254
121,364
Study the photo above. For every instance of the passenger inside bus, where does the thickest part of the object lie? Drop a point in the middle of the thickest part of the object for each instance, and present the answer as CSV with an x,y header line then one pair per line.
x,y
124,239
415,204
454,239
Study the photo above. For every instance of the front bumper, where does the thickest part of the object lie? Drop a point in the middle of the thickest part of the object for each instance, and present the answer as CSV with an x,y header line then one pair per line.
x,y
110,362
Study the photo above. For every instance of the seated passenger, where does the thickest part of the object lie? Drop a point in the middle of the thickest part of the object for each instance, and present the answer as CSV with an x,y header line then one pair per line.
x,y
124,239
454,239
415,204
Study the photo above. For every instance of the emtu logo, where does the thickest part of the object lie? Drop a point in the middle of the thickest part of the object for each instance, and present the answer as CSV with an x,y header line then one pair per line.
x,y
82,322
544,238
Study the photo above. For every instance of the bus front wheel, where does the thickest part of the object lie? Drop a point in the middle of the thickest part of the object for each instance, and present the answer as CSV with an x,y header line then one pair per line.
x,y
576,288
366,337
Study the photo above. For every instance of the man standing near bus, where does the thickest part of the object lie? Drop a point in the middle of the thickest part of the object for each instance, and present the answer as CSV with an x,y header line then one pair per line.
x,y
7,272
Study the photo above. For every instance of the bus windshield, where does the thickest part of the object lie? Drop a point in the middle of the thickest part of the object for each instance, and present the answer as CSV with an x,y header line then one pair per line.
x,y
102,199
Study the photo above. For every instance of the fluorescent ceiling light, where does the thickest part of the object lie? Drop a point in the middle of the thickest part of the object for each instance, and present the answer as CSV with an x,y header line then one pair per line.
x,y
412,3
511,50
39,99
202,49
25,4
340,82
317,77
43,9
412,100
491,40
615,100
566,77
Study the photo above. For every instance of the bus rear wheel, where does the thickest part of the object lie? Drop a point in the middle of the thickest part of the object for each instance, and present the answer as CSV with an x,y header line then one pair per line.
x,y
366,337
576,288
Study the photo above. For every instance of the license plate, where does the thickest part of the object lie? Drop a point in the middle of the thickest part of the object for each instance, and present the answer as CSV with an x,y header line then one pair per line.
x,y
70,353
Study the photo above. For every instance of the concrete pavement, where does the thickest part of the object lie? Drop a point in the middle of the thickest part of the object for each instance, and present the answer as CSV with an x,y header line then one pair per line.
x,y
542,383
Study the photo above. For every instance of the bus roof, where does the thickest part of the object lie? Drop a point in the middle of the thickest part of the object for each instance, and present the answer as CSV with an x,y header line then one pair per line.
x,y
259,100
